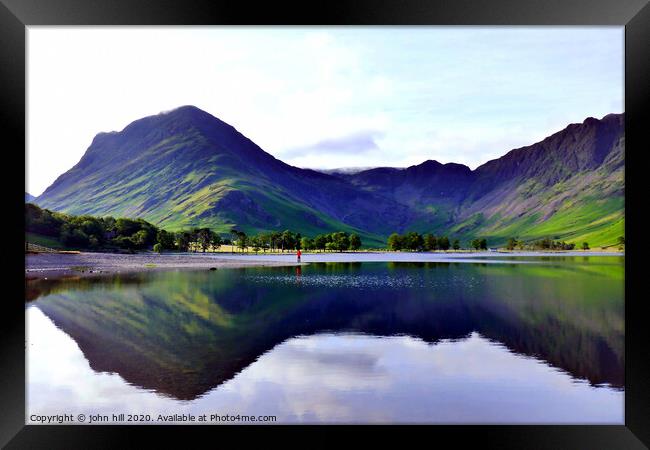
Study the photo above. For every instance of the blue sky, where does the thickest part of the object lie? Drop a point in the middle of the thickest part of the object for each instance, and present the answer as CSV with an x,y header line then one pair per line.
x,y
323,97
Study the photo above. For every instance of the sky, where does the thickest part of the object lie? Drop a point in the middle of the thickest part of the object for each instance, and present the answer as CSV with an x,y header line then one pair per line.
x,y
322,97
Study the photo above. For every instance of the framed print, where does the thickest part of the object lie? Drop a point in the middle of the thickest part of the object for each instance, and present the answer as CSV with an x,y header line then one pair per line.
x,y
399,214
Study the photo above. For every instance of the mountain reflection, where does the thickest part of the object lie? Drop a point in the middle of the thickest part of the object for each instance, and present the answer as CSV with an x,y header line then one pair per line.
x,y
183,333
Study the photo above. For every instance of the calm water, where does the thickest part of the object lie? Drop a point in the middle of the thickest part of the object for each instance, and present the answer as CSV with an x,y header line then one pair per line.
x,y
541,341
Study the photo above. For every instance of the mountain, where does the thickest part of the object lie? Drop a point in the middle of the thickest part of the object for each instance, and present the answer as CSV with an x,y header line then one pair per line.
x,y
344,170
568,186
29,197
571,185
187,168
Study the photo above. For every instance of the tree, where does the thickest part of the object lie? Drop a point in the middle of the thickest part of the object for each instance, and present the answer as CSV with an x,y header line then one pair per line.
x,y
183,239
394,242
109,224
585,246
341,241
165,239
456,244
215,241
547,243
414,241
355,242
194,238
430,242
320,242
204,238
443,243
255,243
263,239
95,232
73,237
479,244
242,240
91,226
124,242
140,238
93,242
275,237
512,243
157,247
149,232
234,234
306,243
287,240
126,227
621,242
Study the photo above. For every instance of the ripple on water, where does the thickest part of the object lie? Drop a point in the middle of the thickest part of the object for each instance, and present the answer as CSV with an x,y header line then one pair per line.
x,y
362,281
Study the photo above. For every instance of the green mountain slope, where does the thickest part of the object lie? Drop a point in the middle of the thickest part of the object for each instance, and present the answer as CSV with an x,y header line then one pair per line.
x,y
570,186
187,168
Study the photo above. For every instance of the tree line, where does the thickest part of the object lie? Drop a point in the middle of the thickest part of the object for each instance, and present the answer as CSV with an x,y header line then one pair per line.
x,y
108,233
543,244
417,242
413,241
289,241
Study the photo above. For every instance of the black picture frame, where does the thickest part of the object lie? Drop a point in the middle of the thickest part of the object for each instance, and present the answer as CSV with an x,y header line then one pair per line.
x,y
634,15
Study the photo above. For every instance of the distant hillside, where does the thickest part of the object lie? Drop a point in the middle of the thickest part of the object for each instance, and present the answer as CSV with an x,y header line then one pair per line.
x,y
343,170
29,197
569,186
187,168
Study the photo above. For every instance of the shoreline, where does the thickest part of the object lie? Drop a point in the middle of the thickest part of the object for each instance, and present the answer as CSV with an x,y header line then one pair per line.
x,y
83,264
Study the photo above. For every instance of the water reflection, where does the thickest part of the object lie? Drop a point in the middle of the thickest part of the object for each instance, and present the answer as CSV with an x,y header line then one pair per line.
x,y
183,334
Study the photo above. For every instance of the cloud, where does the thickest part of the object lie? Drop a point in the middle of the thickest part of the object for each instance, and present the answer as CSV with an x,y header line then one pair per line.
x,y
465,94
360,142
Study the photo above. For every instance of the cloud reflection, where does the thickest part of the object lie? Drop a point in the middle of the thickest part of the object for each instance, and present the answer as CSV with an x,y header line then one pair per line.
x,y
328,378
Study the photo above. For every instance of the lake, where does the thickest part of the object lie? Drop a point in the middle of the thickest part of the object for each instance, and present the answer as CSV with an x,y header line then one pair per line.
x,y
504,340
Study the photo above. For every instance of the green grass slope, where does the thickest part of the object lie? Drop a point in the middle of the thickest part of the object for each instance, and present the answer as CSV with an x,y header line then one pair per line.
x,y
186,168
45,241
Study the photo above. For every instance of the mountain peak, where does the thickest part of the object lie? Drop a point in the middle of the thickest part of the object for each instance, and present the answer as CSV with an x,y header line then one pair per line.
x,y
187,110
430,163
177,119
185,168
183,108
